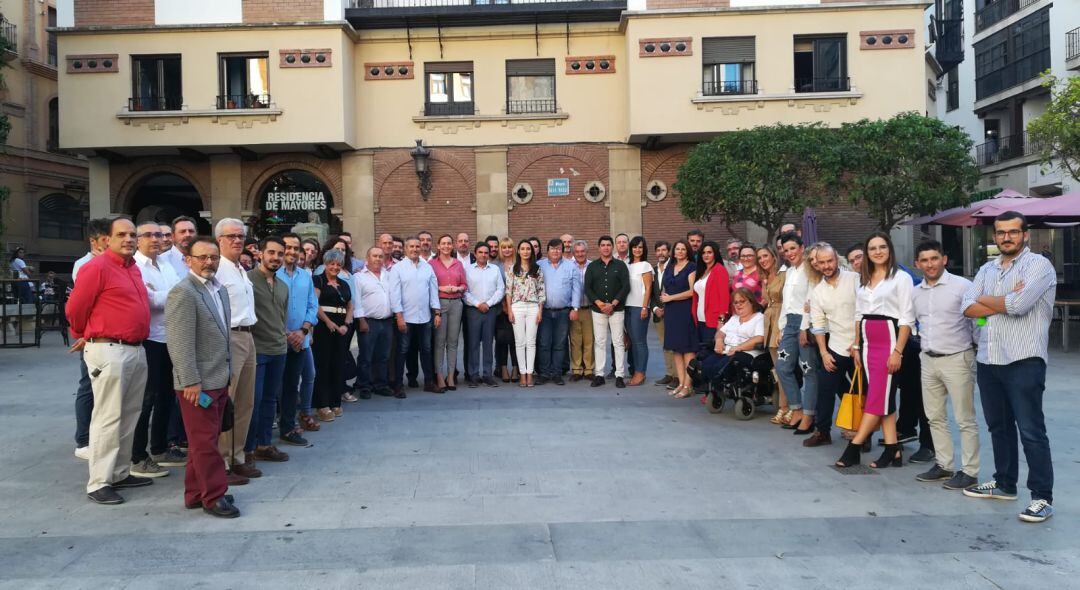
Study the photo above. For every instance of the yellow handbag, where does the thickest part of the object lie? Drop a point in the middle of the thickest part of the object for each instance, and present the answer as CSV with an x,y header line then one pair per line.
x,y
851,406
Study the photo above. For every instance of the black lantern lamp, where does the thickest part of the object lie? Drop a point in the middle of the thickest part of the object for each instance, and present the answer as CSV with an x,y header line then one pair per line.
x,y
422,160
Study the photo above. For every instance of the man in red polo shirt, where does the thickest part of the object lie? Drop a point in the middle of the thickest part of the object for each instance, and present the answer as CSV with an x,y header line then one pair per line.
x,y
109,314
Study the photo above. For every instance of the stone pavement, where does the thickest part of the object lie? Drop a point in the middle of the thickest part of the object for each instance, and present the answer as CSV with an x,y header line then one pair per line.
x,y
546,488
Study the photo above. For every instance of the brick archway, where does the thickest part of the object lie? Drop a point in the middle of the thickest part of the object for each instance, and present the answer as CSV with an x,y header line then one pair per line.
x,y
546,217
125,189
451,206
255,175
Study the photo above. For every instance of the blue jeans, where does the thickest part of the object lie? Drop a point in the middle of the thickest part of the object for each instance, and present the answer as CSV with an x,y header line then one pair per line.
x,y
551,342
84,405
298,383
1012,400
269,374
376,352
639,337
417,337
706,337
790,357
481,343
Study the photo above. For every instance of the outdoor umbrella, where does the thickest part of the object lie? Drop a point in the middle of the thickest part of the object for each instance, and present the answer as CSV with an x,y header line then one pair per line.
x,y
809,226
964,216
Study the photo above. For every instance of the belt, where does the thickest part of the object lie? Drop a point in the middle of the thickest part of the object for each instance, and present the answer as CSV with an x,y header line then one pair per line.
x,y
556,308
385,319
242,329
331,309
114,341
936,355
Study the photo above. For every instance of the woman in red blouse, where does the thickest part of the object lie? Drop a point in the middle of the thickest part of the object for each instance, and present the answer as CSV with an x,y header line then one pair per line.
x,y
451,276
749,276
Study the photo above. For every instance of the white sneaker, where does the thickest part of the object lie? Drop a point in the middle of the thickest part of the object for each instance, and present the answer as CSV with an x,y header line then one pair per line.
x,y
148,468
83,453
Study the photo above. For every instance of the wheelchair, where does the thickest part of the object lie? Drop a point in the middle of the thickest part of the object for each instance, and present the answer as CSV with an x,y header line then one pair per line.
x,y
743,378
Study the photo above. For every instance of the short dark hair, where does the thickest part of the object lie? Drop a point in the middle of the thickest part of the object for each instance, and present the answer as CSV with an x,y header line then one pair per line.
x,y
928,245
98,227
695,232
290,234
491,239
605,237
422,232
202,240
556,243
271,240
854,248
345,233
114,219
187,218
397,239
657,244
479,245
791,237
249,241
1011,215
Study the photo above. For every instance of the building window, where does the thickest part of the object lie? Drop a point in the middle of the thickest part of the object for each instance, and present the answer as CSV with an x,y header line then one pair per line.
x,y
821,64
530,86
155,82
952,90
60,217
727,66
244,81
1013,56
53,144
449,89
51,37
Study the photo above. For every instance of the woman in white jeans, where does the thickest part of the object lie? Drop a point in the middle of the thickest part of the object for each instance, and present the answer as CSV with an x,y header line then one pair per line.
x,y
524,301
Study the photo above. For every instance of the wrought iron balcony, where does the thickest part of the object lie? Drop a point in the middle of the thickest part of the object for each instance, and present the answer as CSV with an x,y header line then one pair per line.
x,y
243,101
9,32
729,87
1012,74
997,11
445,109
532,105
382,14
1072,44
832,84
156,103
998,150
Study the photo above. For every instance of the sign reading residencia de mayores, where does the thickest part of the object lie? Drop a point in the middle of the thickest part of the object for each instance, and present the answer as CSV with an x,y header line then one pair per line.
x,y
295,201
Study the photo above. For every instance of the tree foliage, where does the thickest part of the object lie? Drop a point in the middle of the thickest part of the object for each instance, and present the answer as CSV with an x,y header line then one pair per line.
x,y
759,175
1055,134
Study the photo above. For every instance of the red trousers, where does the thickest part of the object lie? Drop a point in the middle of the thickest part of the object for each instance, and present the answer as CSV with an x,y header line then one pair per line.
x,y
204,479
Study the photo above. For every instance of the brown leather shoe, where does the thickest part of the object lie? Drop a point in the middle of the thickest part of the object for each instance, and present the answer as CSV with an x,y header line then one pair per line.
x,y
270,453
248,470
818,439
575,377
338,412
325,414
308,423
235,479
637,379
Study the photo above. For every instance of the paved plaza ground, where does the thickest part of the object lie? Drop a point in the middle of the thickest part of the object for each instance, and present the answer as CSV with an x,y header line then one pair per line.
x,y
546,488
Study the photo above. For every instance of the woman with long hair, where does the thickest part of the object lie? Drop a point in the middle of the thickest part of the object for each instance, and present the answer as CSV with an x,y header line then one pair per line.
x,y
637,307
505,352
773,292
712,293
312,250
329,344
525,298
884,318
680,327
749,276
450,274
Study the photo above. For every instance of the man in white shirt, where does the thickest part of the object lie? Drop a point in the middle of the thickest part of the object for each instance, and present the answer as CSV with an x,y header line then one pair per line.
x,y
731,262
483,297
184,232
832,320
97,230
426,240
375,321
463,250
230,234
795,351
948,366
157,406
414,299
622,248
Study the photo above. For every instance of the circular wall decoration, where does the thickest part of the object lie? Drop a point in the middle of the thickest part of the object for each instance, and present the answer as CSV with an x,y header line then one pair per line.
x,y
522,193
595,191
656,191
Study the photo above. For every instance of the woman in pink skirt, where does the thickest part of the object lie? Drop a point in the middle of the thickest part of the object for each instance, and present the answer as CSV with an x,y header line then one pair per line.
x,y
884,317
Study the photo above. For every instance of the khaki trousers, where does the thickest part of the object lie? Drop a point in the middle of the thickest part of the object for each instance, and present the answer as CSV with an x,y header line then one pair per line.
x,y
118,378
669,357
242,392
581,344
943,378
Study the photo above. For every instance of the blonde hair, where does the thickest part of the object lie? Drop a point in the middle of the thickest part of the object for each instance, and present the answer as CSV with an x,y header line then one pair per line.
x,y
506,242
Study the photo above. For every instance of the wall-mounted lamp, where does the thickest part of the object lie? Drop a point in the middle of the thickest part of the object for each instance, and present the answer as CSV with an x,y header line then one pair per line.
x,y
422,160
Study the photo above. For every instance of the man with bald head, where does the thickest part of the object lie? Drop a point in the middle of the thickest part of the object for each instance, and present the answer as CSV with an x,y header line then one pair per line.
x,y
463,249
568,246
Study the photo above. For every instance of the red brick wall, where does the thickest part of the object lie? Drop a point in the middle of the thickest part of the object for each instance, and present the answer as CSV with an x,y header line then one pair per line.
x,y
451,205
113,12
547,217
278,11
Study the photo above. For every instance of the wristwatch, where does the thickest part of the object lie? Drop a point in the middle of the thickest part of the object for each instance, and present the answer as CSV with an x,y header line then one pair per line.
x,y
305,330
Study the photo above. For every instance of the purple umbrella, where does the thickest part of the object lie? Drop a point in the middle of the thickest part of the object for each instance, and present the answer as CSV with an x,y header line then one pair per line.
x,y
809,226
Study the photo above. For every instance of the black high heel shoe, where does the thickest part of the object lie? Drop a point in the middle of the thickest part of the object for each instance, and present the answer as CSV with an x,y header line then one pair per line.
x,y
801,432
850,457
892,455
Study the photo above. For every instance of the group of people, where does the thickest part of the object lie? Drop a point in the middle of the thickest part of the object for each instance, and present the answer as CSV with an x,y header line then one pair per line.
x,y
191,354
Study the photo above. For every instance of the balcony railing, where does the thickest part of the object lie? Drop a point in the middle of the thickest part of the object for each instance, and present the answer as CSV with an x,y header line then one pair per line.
x,y
243,101
393,14
10,34
532,105
155,103
443,109
997,11
998,150
729,87
822,84
1012,74
1072,44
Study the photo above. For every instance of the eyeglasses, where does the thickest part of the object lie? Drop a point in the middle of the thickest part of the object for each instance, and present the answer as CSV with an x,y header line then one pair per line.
x,y
167,234
1012,233
151,234
232,237
206,257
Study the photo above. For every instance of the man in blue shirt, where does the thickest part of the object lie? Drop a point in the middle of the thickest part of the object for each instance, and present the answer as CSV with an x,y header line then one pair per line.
x,y
483,298
300,315
561,307
414,299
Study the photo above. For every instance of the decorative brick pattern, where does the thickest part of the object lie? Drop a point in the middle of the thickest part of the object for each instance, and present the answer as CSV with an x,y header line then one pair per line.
x,y
281,11
304,58
662,220
590,64
666,47
449,209
110,13
93,64
389,70
546,217
894,39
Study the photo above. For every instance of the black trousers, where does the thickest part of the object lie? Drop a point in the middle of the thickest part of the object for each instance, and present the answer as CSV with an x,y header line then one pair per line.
x,y
832,386
912,416
329,349
158,403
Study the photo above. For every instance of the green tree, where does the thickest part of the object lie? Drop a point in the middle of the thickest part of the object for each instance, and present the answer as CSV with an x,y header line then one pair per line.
x,y
1055,134
906,166
760,175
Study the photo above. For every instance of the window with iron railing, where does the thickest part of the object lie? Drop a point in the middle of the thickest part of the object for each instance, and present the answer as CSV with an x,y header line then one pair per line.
x,y
245,81
727,66
821,64
448,89
1002,149
155,83
1072,44
530,86
51,38
9,32
998,10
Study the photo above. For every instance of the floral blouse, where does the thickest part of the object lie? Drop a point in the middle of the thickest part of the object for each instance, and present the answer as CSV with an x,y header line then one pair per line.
x,y
524,288
750,281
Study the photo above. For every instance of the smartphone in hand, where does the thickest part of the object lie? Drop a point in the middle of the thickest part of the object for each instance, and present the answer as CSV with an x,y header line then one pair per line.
x,y
205,400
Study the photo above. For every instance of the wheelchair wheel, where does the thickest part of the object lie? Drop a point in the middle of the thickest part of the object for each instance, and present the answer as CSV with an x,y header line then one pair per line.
x,y
714,402
744,408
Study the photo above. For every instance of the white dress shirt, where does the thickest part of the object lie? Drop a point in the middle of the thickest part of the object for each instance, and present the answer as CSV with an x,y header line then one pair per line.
x,y
214,287
832,310
241,296
174,258
78,264
465,260
372,295
414,290
159,279
483,285
796,294
891,298
943,328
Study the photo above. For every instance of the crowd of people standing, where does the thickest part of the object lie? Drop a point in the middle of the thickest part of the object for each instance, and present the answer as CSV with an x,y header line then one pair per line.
x,y
194,348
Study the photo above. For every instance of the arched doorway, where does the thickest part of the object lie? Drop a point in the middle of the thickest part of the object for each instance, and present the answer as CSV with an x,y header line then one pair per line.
x,y
295,197
163,197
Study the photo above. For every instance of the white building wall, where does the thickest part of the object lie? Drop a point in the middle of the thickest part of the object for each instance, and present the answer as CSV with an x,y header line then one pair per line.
x,y
65,13
197,12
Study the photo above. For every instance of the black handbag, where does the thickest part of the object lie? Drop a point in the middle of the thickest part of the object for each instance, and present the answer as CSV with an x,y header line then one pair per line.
x,y
228,415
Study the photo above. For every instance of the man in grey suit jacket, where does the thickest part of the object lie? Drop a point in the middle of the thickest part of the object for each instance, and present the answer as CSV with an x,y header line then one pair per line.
x,y
197,322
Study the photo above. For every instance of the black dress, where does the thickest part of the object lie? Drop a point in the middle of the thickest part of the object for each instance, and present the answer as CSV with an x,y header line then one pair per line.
x,y
330,348
680,331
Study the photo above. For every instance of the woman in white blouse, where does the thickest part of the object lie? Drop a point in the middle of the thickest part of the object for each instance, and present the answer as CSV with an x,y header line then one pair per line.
x,y
884,318
741,339
637,307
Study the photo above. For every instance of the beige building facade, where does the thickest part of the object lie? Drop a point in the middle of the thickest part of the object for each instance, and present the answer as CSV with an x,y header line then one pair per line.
x,y
539,118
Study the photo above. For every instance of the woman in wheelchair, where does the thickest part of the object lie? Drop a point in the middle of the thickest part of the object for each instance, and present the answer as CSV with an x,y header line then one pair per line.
x,y
738,353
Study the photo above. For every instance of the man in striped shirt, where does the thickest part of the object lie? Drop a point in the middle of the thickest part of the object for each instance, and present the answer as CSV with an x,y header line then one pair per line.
x,y
1013,297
